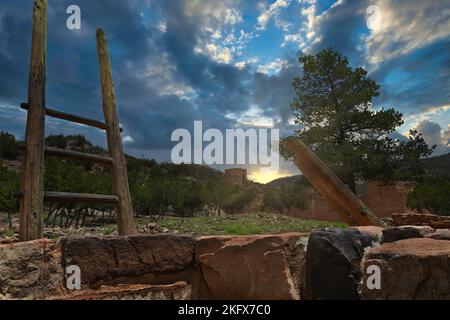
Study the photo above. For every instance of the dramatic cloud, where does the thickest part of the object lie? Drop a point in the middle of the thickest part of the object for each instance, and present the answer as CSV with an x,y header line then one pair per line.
x,y
229,63
272,12
405,26
434,135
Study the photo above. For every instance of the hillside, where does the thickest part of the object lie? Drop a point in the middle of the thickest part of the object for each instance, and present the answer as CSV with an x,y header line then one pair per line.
x,y
286,180
438,164
12,155
156,188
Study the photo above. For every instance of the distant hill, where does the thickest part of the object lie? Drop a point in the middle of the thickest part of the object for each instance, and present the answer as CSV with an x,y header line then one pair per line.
x,y
433,165
137,168
438,164
184,189
286,180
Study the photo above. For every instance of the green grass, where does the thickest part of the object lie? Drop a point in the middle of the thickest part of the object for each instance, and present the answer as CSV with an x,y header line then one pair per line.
x,y
109,230
239,224
8,233
242,224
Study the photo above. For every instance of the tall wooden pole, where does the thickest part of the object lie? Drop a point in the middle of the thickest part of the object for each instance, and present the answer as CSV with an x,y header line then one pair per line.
x,y
120,178
32,202
338,195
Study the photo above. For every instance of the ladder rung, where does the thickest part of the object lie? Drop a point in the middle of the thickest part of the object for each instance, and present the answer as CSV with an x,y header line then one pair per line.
x,y
51,196
55,152
69,154
70,117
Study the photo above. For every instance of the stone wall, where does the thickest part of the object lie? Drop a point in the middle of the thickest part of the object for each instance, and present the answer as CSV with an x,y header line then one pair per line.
x,y
382,200
420,219
30,269
236,176
318,209
156,267
410,269
252,267
326,264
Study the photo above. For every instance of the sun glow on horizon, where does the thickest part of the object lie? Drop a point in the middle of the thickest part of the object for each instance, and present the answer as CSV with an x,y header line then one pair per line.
x,y
266,175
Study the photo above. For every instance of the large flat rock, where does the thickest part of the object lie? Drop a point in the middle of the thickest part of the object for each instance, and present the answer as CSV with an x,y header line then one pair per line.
x,y
333,263
373,231
30,270
122,259
404,232
440,234
410,269
252,267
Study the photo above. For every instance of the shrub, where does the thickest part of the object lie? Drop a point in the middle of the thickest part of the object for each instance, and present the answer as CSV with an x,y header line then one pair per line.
x,y
9,148
10,184
431,194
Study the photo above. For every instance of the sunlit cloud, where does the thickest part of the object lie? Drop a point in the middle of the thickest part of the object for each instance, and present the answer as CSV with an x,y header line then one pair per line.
x,y
405,26
127,139
229,63
273,66
272,12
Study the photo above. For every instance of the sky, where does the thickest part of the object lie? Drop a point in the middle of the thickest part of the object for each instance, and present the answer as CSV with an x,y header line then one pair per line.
x,y
227,63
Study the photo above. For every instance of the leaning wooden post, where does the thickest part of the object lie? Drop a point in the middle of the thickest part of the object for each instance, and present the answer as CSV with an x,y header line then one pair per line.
x,y
119,170
32,202
340,197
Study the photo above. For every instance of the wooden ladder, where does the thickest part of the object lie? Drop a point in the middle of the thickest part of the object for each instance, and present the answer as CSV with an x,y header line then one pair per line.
x,y
32,196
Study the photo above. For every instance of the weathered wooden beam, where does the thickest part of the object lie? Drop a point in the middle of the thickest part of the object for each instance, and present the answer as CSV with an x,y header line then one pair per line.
x,y
339,196
71,117
69,154
125,218
32,204
69,197
50,196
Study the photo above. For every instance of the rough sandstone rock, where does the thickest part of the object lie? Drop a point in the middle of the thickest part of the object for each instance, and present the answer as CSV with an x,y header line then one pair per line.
x,y
333,261
177,291
109,261
252,267
373,231
404,232
419,219
410,269
30,270
440,234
